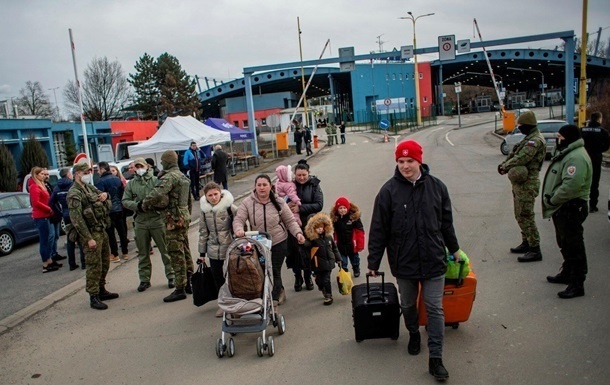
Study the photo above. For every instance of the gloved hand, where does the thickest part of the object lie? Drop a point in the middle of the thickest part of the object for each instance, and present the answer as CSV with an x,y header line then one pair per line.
x,y
501,170
201,258
547,199
140,209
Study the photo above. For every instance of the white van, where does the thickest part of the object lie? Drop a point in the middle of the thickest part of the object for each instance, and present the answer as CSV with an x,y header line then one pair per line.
x,y
53,179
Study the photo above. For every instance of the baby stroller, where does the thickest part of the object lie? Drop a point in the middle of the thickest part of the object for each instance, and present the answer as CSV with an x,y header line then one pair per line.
x,y
252,314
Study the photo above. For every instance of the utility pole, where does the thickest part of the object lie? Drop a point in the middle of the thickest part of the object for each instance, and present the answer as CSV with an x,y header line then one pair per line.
x,y
380,43
56,105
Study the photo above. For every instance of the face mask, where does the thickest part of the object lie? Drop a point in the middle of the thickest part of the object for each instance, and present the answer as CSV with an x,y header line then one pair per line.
x,y
165,165
525,130
141,171
86,178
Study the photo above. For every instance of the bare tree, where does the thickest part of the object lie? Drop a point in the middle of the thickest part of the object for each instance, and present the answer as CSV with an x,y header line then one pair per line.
x,y
33,101
105,91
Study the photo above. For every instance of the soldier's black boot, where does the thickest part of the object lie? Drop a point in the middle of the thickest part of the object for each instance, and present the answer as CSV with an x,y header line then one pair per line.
x,y
414,346
188,288
95,303
574,289
177,295
105,295
524,247
298,283
533,255
437,369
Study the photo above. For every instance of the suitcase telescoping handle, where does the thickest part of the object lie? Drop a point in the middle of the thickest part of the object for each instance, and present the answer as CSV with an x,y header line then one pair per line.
x,y
460,281
368,288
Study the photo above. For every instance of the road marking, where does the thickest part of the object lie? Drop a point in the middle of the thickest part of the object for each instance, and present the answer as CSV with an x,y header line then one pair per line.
x,y
447,139
436,129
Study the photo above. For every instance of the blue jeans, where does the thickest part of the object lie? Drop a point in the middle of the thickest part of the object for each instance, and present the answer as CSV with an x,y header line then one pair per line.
x,y
43,227
432,292
54,231
71,247
353,258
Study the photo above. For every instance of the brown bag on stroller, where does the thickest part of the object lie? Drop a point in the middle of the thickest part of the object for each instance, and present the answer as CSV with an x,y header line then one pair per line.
x,y
245,274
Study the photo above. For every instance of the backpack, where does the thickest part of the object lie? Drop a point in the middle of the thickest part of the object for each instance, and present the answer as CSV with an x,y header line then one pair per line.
x,y
246,276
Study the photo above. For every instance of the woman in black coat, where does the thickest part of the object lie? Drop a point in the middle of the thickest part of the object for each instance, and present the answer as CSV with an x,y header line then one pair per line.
x,y
312,202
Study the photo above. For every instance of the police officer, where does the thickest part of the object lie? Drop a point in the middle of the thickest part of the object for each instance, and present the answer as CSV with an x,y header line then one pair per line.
x,y
565,193
147,225
89,213
597,141
530,153
171,194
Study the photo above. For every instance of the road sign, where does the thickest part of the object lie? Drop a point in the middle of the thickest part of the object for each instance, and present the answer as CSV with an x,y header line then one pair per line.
x,y
384,124
81,158
406,52
387,101
458,88
346,52
273,120
463,46
446,47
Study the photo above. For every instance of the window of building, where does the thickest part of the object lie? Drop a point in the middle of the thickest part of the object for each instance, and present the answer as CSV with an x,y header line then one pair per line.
x,y
421,75
236,123
393,76
400,76
425,99
245,123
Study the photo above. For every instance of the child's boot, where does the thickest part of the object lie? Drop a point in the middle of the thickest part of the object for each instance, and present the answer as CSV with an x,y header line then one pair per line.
x,y
328,299
356,272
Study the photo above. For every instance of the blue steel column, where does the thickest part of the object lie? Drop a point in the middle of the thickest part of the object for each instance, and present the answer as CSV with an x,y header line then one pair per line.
x,y
569,52
250,109
332,97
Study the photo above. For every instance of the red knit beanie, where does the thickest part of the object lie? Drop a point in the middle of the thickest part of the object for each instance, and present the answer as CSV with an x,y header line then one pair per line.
x,y
342,201
411,149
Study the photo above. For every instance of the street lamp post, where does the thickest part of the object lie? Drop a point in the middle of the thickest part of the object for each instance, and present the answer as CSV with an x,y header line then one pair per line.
x,y
56,105
542,86
416,70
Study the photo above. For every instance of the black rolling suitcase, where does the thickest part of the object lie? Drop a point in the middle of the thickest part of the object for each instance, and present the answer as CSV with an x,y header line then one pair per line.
x,y
376,310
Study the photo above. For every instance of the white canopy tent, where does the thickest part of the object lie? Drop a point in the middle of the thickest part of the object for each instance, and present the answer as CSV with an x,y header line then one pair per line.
x,y
177,134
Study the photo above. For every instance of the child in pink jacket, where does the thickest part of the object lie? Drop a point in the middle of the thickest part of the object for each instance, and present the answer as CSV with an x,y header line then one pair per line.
x,y
286,189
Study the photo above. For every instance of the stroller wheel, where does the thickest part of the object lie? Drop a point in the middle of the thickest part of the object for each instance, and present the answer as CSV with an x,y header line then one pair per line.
x,y
259,346
270,346
281,325
231,348
220,348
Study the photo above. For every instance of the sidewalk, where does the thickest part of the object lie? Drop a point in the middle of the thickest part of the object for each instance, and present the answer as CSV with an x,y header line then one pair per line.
x,y
240,186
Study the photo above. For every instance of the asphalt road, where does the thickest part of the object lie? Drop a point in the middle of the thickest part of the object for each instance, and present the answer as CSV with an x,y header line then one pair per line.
x,y
519,331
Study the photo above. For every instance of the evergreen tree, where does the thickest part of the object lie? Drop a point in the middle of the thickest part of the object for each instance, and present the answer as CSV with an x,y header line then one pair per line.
x,y
177,94
33,155
144,82
69,147
8,181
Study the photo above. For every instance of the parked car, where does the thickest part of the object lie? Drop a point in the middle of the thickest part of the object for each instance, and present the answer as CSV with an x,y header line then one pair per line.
x,y
16,222
548,128
529,103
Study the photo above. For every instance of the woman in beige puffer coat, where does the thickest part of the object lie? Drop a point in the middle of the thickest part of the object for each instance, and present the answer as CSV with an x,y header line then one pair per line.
x,y
216,228
264,212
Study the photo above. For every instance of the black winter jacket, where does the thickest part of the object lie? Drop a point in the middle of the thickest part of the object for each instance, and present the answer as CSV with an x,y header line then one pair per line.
x,y
323,252
414,223
312,199
60,191
114,187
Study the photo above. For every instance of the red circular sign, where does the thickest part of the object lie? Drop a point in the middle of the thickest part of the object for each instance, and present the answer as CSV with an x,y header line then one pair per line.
x,y
82,157
446,46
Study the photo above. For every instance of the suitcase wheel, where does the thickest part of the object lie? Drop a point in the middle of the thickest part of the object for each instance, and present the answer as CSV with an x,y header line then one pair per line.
x,y
455,325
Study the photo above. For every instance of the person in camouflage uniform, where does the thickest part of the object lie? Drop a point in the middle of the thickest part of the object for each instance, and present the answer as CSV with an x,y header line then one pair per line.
x,y
530,153
171,194
90,216
147,225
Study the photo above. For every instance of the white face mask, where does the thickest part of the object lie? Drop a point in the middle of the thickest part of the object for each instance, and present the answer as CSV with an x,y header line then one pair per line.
x,y
86,178
141,171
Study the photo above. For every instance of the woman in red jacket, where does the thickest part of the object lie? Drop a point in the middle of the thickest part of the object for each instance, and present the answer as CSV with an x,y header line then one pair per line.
x,y
42,212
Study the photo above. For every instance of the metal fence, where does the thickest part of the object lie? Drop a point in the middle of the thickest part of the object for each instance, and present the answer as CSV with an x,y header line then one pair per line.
x,y
399,121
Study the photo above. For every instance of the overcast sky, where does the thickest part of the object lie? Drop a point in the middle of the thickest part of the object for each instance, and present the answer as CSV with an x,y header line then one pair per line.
x,y
219,38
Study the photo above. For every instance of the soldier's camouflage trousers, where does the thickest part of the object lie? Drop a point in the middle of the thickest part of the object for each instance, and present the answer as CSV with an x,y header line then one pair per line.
x,y
177,248
523,198
97,260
